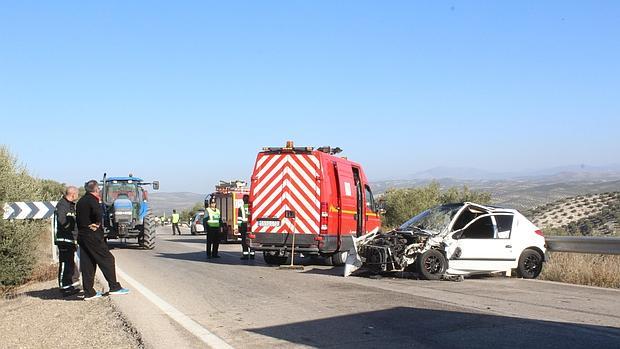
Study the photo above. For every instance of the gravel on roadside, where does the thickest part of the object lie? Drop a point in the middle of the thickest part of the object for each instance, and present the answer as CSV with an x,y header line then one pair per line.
x,y
38,317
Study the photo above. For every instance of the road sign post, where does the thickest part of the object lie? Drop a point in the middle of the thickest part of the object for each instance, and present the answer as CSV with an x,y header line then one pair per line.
x,y
290,215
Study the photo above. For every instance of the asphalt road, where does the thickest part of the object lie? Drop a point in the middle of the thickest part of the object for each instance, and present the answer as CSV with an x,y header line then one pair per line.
x,y
248,304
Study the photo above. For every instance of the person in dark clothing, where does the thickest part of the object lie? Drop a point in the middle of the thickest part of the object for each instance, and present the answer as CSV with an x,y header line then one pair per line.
x,y
213,223
242,222
66,240
94,249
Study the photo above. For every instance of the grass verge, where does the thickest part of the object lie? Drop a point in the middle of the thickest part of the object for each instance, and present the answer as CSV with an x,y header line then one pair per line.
x,y
583,269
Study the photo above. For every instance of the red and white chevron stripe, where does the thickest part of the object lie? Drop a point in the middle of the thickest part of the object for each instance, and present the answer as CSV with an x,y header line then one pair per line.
x,y
287,182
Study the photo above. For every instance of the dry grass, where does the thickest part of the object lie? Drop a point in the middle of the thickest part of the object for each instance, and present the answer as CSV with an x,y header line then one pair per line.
x,y
41,273
583,269
44,272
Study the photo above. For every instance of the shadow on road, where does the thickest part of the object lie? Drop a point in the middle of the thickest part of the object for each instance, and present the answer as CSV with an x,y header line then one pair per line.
x,y
226,257
335,271
125,246
53,293
199,240
412,327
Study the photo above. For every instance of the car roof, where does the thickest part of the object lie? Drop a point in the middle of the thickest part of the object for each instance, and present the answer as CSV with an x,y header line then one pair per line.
x,y
493,209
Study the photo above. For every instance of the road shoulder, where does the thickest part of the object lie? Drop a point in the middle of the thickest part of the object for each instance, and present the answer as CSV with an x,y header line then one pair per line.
x,y
38,317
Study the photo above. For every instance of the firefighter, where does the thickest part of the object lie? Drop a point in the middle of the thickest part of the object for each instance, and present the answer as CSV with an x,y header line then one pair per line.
x,y
242,222
175,222
66,240
213,223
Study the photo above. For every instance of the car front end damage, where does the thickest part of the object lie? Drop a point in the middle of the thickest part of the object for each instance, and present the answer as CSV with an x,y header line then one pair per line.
x,y
397,250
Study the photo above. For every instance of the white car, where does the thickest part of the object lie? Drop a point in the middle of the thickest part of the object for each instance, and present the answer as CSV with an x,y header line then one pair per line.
x,y
458,239
196,224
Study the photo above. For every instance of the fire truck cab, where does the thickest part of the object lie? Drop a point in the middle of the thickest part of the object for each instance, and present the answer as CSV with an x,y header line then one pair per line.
x,y
229,198
315,195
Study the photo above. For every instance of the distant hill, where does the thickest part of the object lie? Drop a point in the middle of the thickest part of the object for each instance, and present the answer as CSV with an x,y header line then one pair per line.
x,y
469,173
526,192
521,191
592,214
165,202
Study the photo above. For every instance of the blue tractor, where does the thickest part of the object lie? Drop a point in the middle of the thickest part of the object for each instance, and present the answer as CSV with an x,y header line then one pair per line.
x,y
126,212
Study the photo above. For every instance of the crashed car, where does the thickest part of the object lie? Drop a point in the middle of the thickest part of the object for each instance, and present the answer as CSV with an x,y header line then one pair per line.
x,y
456,239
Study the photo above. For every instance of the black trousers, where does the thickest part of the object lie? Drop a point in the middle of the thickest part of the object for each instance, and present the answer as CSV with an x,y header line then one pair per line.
x,y
95,252
243,230
66,266
176,225
213,241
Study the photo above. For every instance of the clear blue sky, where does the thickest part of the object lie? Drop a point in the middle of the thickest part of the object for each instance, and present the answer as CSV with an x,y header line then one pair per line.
x,y
188,92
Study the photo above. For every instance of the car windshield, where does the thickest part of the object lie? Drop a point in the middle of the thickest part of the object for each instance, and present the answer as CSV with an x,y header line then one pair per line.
x,y
121,190
436,219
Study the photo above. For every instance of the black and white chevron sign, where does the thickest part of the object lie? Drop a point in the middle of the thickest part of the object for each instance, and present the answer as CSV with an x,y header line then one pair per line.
x,y
29,210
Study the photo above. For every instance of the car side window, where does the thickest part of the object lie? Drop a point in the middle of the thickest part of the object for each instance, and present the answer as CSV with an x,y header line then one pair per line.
x,y
504,226
480,229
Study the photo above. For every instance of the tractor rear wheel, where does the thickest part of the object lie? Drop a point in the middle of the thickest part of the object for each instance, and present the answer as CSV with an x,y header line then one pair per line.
x,y
147,240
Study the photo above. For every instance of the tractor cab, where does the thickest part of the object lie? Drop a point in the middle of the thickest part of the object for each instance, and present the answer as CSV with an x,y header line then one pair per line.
x,y
123,188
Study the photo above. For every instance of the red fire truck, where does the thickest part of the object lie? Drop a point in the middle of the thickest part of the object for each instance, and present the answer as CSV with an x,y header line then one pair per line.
x,y
229,198
315,195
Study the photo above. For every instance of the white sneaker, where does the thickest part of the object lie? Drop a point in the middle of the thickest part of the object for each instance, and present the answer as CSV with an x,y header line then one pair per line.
x,y
97,295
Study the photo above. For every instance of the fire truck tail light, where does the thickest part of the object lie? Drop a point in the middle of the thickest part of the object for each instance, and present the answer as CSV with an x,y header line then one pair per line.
x,y
324,217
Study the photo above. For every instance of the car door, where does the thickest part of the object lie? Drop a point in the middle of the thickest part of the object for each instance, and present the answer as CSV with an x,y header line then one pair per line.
x,y
484,244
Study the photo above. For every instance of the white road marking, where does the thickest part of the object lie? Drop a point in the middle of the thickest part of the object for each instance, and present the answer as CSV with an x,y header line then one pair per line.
x,y
192,326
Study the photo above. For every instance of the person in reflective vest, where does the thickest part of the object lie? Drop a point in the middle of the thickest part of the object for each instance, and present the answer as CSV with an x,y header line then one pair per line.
x,y
213,223
66,240
175,222
242,222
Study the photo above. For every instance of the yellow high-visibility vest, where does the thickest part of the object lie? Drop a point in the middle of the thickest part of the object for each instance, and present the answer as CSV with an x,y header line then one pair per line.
x,y
244,214
175,218
213,220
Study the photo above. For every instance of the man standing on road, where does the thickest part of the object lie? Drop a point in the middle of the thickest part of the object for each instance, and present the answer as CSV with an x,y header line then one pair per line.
x,y
66,240
93,247
213,223
175,222
242,222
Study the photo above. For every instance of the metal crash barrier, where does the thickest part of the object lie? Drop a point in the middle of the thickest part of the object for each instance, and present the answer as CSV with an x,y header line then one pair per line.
x,y
583,244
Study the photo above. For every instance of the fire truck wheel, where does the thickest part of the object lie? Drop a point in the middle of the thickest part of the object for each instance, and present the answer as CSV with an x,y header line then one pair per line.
x,y
339,258
274,259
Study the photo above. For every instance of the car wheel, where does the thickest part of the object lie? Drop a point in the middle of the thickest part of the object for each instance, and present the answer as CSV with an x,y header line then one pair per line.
x,y
431,265
339,258
530,264
274,259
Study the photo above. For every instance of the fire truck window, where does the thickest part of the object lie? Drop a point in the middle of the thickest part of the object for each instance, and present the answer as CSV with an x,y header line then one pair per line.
x,y
370,201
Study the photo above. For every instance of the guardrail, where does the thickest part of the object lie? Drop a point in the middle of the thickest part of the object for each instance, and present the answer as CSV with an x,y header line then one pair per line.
x,y
583,244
